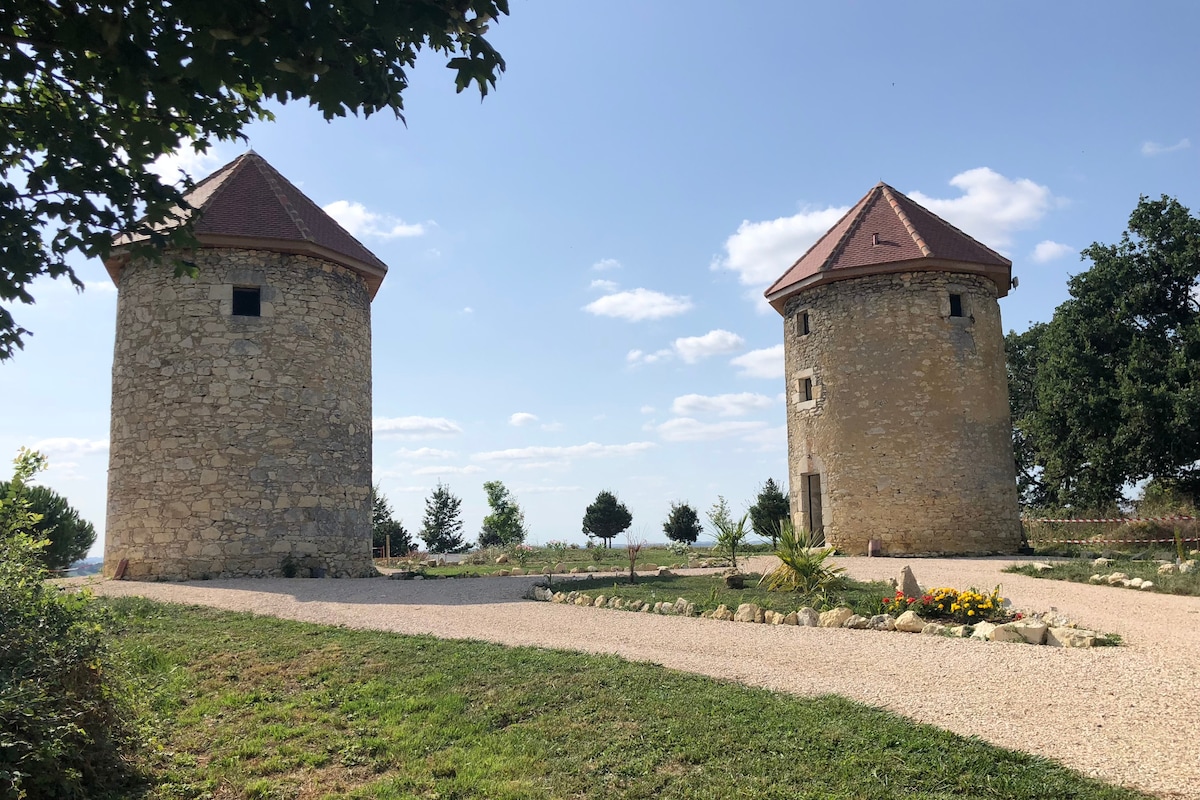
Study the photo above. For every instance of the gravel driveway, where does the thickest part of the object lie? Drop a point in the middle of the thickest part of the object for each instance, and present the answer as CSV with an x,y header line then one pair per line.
x,y
1129,715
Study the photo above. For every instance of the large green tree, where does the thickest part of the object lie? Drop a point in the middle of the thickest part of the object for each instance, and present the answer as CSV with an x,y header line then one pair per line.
x,y
770,508
68,535
441,530
506,524
606,517
387,533
1116,372
93,92
682,524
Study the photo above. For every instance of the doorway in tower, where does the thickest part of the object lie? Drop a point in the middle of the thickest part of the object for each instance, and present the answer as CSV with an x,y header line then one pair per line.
x,y
810,505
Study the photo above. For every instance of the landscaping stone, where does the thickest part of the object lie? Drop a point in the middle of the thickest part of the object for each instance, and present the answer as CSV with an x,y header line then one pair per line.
x,y
908,583
502,558
958,631
1101,562
518,571
1096,579
1032,631
1146,585
983,630
760,616
933,629
591,567
583,600
791,619
769,617
735,580
835,618
503,573
883,622
808,617
1007,633
1116,578
1187,567
600,601
1041,566
722,613
746,612
574,570
558,567
909,622
857,622
1167,569
664,572
681,607
1070,637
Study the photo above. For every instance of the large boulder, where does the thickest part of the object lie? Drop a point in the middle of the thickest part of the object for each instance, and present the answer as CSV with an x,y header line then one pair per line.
x,y
910,622
1070,637
502,558
835,618
1032,631
908,583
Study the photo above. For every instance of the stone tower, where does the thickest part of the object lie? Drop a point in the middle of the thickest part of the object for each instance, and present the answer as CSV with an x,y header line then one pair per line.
x,y
897,399
241,399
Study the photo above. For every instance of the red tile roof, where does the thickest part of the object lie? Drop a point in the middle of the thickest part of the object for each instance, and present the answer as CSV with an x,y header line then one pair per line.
x,y
888,232
247,203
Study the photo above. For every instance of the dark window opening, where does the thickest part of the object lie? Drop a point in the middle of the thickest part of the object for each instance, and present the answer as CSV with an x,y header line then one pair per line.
x,y
956,305
247,301
806,388
804,323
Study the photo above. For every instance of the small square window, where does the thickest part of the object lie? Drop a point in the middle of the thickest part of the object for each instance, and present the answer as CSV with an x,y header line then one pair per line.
x,y
956,305
247,301
806,388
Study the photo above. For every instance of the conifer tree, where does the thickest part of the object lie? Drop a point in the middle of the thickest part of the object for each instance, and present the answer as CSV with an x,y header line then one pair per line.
x,y
441,530
769,509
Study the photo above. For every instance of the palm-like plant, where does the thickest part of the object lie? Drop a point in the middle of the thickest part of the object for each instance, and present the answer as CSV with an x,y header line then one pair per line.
x,y
730,535
803,566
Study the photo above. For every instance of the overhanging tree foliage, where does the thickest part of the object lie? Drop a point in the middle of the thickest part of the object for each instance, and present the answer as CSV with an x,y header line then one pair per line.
x,y
93,92
1116,373
506,524
683,524
441,529
606,517
770,508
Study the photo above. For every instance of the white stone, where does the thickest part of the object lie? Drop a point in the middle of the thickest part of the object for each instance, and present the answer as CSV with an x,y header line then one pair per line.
x,y
910,622
808,618
856,622
1070,637
746,612
1116,578
908,583
1032,631
835,618
1007,633
983,630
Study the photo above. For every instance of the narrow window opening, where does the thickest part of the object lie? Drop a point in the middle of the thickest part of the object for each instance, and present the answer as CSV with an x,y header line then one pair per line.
x,y
806,388
247,301
956,309
804,323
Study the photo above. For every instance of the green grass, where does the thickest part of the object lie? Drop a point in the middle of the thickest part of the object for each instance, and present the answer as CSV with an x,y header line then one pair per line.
x,y
708,591
1080,570
255,707
603,559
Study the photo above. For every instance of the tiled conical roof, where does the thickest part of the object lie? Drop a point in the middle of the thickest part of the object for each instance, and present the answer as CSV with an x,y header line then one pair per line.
x,y
888,232
248,204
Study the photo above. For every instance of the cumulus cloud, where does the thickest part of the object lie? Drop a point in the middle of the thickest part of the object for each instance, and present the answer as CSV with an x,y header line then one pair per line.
x,y
723,405
637,357
687,429
470,469
606,264
67,447
424,452
359,221
604,286
764,363
636,305
415,427
522,418
1050,251
760,252
714,343
991,207
589,450
186,162
553,427
1155,149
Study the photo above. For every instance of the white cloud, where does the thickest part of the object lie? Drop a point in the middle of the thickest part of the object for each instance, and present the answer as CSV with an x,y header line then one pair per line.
x,y
764,363
992,207
768,438
355,218
186,162
470,469
553,427
603,285
714,343
468,310
647,409
723,405
605,264
522,418
589,450
1156,149
641,357
639,304
67,447
424,452
686,429
760,252
1050,251
415,427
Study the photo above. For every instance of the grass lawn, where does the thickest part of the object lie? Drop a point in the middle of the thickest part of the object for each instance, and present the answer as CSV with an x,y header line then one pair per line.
x,y
1079,570
260,708
539,559
708,592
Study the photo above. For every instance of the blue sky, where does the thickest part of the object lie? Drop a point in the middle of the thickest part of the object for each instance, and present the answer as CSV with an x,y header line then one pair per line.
x,y
577,263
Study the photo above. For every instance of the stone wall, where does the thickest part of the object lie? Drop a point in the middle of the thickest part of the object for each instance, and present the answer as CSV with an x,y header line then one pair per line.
x,y
241,444
908,426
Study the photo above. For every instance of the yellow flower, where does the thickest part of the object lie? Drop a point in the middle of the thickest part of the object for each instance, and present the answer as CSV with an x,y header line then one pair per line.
x,y
970,613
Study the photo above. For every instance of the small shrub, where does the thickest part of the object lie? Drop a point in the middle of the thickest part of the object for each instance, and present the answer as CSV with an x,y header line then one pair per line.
x,y
803,566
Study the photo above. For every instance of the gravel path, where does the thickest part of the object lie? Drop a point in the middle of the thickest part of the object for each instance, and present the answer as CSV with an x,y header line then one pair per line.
x,y
1129,715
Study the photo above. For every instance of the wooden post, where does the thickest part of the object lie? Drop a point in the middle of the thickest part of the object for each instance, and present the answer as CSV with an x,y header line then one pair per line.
x,y
387,549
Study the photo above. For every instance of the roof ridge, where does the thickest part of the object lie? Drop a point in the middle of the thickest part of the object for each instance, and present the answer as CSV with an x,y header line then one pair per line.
x,y
859,210
957,230
918,240
222,177
273,177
